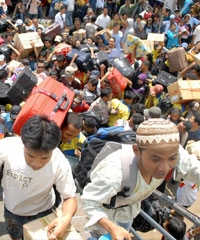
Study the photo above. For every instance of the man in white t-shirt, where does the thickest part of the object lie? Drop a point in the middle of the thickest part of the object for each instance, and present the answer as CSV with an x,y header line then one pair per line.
x,y
30,170
196,35
103,20
60,17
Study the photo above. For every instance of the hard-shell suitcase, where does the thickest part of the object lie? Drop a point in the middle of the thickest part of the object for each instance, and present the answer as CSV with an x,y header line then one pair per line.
x,y
117,81
51,99
22,86
102,58
124,66
165,79
52,31
177,59
83,60
3,93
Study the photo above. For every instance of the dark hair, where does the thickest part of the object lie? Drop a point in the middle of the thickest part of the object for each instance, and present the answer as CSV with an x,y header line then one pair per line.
x,y
175,111
116,24
63,6
93,18
32,54
105,92
53,72
90,122
102,45
139,108
137,119
47,38
93,81
191,76
99,29
25,62
40,134
77,19
188,125
40,61
73,118
128,95
197,117
3,74
43,53
60,58
176,227
172,24
147,63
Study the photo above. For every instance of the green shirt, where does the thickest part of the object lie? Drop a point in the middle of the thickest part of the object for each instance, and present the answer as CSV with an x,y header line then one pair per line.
x,y
128,9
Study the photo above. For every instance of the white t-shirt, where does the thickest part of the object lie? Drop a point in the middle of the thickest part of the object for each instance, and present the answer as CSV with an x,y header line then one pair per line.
x,y
28,192
70,5
60,18
103,21
197,34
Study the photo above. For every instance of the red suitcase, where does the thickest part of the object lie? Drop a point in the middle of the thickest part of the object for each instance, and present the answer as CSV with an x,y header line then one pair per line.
x,y
1,40
50,98
52,31
117,81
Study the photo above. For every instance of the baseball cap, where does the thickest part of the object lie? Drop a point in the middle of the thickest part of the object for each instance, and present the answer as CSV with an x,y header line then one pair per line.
x,y
69,71
58,38
153,112
184,45
18,22
89,10
95,72
2,57
15,111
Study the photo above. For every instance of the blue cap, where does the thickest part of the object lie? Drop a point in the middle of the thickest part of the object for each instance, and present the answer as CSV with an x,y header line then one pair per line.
x,y
95,72
105,237
185,45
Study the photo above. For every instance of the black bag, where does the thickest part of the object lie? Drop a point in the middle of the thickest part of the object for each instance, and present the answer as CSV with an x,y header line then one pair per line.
x,y
165,79
6,51
88,96
3,25
4,88
22,86
102,58
124,66
152,207
94,145
165,104
83,60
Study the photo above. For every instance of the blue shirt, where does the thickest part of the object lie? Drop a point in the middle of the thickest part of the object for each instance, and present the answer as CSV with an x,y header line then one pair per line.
x,y
186,6
172,42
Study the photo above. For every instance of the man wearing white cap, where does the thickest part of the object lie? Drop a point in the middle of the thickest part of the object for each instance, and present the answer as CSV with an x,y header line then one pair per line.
x,y
69,79
168,23
156,152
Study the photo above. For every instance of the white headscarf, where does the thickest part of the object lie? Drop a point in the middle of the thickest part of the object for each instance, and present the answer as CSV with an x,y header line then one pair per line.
x,y
4,6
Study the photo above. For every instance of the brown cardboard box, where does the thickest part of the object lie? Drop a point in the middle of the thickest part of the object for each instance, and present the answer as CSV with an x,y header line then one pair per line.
x,y
184,91
23,42
156,37
197,58
79,35
34,230
149,44
13,65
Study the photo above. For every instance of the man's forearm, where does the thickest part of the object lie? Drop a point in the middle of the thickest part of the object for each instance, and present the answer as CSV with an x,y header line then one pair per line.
x,y
69,207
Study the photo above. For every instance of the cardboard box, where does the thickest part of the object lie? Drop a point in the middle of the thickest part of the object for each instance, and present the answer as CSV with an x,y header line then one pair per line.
x,y
184,91
13,65
196,58
23,42
34,230
149,44
79,35
156,37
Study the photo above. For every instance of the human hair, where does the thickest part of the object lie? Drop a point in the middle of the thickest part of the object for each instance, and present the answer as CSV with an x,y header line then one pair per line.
x,y
63,7
147,63
191,76
40,134
47,38
77,19
172,24
112,38
176,227
40,61
93,81
116,24
73,118
188,125
99,29
93,18
105,92
175,111
136,118
128,95
32,54
53,72
90,122
60,58
25,62
43,53
3,74
197,117
139,108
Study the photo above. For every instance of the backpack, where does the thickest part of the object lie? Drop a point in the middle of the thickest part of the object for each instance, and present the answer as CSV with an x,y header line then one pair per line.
x,y
99,146
165,104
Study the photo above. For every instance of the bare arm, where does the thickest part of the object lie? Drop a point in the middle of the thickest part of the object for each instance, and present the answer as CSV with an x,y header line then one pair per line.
x,y
184,71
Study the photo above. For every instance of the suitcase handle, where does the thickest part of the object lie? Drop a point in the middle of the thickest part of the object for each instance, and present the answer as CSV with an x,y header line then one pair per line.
x,y
60,102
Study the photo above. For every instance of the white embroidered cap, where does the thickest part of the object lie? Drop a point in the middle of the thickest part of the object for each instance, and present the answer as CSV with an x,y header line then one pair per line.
x,y
157,131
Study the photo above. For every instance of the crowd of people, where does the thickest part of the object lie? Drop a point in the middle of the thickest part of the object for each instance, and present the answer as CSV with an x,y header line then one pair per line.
x,y
36,174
